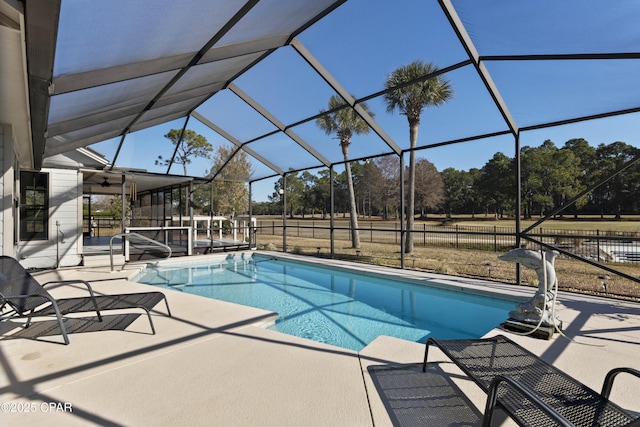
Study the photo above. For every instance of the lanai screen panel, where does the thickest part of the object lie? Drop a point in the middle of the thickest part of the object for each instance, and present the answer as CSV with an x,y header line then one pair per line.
x,y
271,18
227,111
364,40
257,170
463,156
221,145
539,92
286,86
605,131
159,59
558,61
550,27
361,146
209,77
102,34
147,148
284,152
96,100
222,141
86,136
170,110
469,112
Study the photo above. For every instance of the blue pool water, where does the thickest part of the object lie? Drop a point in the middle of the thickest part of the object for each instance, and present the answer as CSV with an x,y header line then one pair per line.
x,y
334,306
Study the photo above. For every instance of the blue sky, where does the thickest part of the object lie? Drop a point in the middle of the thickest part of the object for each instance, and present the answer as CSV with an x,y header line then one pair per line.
x,y
363,40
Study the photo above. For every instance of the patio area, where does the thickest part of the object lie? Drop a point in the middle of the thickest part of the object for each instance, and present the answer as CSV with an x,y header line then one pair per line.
x,y
214,363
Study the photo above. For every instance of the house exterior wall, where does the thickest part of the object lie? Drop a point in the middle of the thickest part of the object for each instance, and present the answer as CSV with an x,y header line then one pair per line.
x,y
6,190
64,246
3,202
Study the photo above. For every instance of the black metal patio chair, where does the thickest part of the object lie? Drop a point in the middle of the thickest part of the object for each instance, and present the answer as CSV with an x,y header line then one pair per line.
x,y
530,390
22,296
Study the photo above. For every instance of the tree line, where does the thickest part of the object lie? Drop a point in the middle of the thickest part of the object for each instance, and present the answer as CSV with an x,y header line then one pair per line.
x,y
550,177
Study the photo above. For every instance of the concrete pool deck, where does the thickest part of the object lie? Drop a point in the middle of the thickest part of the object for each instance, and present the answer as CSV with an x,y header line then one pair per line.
x,y
213,363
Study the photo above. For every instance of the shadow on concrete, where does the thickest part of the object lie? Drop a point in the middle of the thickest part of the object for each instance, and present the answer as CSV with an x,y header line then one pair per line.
x,y
48,328
414,398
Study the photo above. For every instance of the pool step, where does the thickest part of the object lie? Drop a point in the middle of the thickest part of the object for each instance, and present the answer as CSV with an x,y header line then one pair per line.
x,y
103,260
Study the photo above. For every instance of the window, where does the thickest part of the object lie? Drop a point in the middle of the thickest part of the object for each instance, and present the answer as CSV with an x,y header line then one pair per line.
x,y
34,205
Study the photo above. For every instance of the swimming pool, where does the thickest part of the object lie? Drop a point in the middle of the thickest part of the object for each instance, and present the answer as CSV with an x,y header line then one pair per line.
x,y
334,306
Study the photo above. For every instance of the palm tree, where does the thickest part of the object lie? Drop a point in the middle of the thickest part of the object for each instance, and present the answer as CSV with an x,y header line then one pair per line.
x,y
345,122
410,100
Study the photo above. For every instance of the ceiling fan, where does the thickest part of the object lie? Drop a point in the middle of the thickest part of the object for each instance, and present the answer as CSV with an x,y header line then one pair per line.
x,y
106,183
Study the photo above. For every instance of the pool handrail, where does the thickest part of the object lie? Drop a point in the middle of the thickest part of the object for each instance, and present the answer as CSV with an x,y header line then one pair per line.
x,y
129,234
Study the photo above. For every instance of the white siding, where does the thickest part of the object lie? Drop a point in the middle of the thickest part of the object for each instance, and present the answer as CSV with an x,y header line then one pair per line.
x,y
6,190
3,202
65,193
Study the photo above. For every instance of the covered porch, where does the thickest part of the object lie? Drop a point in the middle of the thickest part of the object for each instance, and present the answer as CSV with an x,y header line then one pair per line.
x,y
156,207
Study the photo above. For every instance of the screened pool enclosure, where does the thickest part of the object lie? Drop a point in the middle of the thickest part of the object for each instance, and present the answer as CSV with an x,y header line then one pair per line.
x,y
256,76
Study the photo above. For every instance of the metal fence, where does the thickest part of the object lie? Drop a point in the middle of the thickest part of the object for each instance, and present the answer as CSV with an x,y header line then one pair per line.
x,y
596,245
101,227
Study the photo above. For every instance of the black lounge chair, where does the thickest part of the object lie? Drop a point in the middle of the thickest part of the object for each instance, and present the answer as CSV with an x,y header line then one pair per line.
x,y
22,296
530,390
